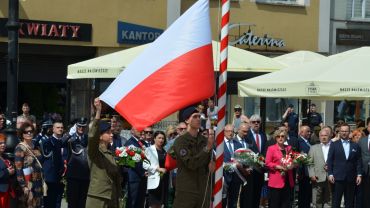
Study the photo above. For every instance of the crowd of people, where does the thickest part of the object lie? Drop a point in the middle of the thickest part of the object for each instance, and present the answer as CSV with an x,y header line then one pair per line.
x,y
79,163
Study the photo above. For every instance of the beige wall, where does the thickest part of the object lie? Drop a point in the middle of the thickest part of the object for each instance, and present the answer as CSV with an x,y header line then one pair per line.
x,y
103,15
298,26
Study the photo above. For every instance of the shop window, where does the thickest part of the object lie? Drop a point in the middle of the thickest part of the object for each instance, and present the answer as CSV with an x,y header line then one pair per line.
x,y
361,9
349,111
284,2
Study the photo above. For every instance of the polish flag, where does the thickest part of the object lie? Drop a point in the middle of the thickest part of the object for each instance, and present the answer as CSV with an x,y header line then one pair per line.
x,y
173,72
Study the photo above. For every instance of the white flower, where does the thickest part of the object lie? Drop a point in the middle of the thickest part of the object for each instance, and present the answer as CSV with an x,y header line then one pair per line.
x,y
136,158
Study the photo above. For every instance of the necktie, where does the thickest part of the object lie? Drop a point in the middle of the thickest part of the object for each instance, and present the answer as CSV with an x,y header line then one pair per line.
x,y
258,142
231,148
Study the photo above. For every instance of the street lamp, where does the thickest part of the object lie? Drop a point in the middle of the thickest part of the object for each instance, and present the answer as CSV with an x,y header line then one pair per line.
x,y
12,75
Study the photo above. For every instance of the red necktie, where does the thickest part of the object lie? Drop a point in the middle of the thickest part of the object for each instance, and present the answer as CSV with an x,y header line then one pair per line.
x,y
258,142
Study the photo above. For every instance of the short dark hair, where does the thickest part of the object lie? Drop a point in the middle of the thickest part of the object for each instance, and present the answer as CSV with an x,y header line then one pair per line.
x,y
23,128
156,133
313,104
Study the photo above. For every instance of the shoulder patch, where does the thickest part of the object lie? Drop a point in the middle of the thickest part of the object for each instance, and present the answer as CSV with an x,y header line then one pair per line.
x,y
183,152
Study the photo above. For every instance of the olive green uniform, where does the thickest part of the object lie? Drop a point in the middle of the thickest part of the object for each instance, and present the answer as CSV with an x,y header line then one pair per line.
x,y
192,158
105,178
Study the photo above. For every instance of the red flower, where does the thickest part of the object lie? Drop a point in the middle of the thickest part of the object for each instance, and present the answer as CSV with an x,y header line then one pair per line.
x,y
142,155
118,152
131,153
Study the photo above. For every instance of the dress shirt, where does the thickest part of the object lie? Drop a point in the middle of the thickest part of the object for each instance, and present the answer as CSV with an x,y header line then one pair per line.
x,y
259,142
242,141
368,142
230,145
345,144
286,141
325,150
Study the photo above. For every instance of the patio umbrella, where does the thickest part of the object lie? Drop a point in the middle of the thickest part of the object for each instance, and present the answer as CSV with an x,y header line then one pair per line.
x,y
110,65
298,57
345,75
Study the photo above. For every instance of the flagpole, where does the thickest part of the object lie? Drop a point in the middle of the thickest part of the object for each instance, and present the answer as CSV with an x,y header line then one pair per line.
x,y
217,193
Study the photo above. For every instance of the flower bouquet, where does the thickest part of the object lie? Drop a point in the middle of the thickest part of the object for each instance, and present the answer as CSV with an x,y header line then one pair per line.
x,y
248,158
129,156
287,163
301,158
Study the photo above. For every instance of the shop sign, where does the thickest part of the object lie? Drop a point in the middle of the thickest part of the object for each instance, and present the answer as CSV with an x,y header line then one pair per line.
x,y
136,34
248,38
353,37
36,29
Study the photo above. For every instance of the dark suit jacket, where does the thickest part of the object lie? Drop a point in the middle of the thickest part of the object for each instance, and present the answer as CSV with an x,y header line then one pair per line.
x,y
303,147
293,142
365,155
135,174
4,177
341,168
252,143
52,164
228,176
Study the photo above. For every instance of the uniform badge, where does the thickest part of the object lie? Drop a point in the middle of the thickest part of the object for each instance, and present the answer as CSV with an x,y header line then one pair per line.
x,y
183,152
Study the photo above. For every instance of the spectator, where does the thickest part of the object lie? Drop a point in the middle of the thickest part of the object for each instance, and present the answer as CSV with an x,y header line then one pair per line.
x,y
292,119
6,171
304,181
148,136
116,127
238,117
28,168
2,122
137,180
78,172
105,177
170,132
21,120
26,114
212,111
364,144
356,135
314,118
321,192
203,118
158,177
280,177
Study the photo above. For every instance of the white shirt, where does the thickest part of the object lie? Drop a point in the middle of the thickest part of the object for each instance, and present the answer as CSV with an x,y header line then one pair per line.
x,y
345,144
242,141
325,150
230,145
305,140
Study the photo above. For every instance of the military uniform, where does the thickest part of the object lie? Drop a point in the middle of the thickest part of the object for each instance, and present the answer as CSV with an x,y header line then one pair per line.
x,y
105,178
78,171
192,190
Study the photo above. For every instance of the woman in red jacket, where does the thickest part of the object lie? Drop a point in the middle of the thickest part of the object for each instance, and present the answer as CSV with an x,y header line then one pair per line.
x,y
6,171
280,175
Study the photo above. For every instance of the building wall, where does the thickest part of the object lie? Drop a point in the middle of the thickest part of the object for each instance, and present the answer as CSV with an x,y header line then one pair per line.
x,y
103,15
297,25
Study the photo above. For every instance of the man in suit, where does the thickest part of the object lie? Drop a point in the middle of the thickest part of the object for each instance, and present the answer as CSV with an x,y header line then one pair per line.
x,y
232,180
321,193
364,144
137,180
256,140
305,188
344,168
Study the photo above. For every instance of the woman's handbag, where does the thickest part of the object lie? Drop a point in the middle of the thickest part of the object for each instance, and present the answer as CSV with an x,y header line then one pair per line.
x,y
44,185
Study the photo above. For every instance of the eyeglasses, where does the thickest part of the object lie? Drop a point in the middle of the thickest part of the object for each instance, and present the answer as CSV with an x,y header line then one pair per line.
x,y
256,122
28,132
2,143
280,136
205,134
148,132
181,129
237,110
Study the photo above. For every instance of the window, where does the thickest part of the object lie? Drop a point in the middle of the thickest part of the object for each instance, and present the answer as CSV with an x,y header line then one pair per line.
x,y
361,9
284,2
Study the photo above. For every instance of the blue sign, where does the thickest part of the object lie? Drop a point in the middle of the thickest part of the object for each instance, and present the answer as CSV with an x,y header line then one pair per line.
x,y
136,34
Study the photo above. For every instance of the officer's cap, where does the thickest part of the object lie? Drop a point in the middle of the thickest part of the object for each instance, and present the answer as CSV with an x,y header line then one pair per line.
x,y
103,126
82,122
47,123
188,112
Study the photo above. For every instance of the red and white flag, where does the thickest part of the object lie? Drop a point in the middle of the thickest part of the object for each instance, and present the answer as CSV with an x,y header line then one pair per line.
x,y
173,72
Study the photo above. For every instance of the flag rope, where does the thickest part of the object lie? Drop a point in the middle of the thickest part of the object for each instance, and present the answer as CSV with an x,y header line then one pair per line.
x,y
217,193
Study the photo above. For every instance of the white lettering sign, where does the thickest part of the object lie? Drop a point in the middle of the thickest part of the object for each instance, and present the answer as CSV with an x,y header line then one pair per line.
x,y
140,36
249,39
